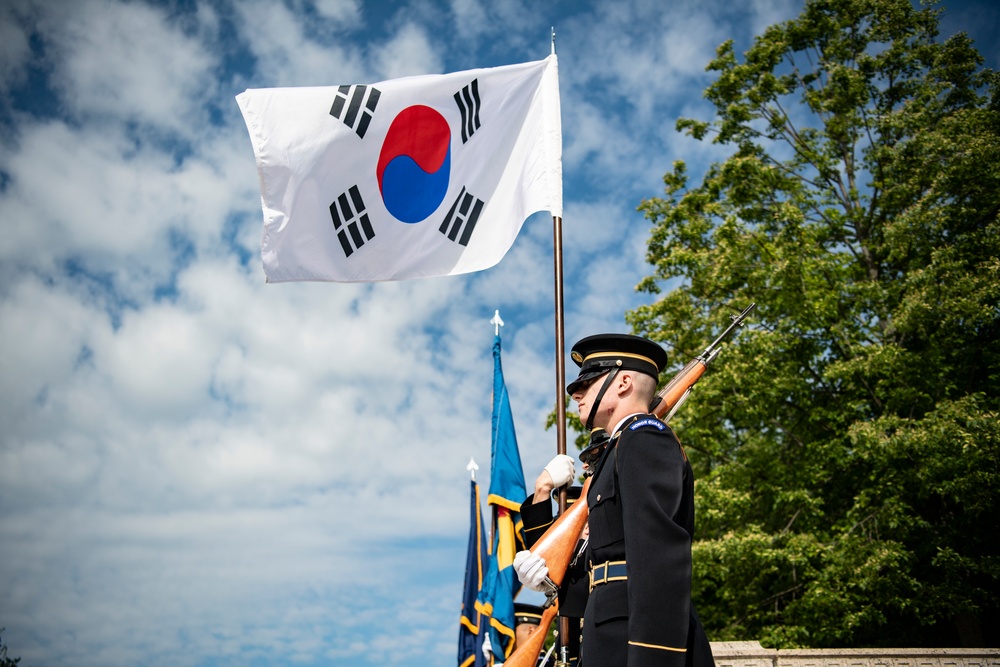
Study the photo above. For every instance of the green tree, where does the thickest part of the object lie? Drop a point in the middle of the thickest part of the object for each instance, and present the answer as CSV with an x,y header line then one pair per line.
x,y
4,660
847,441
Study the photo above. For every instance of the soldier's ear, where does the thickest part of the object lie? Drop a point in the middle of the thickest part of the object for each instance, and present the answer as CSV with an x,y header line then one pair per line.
x,y
625,382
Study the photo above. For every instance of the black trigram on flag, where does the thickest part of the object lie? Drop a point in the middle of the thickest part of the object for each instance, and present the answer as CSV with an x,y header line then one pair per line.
x,y
462,217
347,106
351,221
468,104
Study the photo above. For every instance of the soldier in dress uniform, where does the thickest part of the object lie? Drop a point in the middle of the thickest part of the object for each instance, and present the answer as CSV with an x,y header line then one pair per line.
x,y
641,522
527,618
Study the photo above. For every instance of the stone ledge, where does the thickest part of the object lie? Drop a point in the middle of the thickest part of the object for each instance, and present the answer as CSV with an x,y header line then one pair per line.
x,y
752,654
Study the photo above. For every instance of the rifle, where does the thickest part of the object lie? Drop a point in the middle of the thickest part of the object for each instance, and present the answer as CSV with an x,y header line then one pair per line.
x,y
673,395
557,544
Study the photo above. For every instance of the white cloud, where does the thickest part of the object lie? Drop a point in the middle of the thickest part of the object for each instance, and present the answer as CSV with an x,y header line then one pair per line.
x,y
44,332
128,62
471,15
115,209
287,55
15,50
408,52
344,12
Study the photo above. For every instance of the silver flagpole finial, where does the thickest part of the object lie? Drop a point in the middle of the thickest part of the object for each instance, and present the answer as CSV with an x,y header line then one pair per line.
x,y
472,468
553,40
497,323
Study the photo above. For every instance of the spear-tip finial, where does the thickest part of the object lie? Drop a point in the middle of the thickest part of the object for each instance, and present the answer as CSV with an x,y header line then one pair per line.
x,y
497,323
472,468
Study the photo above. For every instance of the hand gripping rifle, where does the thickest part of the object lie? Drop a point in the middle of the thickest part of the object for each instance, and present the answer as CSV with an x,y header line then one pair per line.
x,y
557,544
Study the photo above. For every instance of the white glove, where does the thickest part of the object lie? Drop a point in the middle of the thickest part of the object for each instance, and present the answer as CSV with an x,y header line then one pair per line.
x,y
531,569
487,646
561,470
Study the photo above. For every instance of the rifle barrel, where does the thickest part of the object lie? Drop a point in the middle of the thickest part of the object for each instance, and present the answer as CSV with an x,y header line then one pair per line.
x,y
737,321
679,386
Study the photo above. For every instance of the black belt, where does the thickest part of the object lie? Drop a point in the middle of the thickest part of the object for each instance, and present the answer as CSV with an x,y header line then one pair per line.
x,y
607,572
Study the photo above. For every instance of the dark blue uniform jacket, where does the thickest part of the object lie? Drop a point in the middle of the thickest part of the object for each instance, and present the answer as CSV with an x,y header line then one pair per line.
x,y
641,503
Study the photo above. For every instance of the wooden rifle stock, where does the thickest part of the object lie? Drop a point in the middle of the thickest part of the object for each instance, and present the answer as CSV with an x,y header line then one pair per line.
x,y
556,546
526,654
675,391
558,543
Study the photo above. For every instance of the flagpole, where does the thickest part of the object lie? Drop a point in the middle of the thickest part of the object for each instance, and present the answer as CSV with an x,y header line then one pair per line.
x,y
560,349
563,635
560,333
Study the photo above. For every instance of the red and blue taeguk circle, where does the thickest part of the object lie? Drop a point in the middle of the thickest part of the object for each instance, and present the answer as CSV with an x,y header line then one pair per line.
x,y
415,163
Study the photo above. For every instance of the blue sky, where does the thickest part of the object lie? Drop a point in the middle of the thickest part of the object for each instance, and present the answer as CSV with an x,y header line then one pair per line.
x,y
198,468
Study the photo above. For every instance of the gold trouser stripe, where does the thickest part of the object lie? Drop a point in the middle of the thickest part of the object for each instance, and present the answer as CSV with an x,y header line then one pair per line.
x,y
662,648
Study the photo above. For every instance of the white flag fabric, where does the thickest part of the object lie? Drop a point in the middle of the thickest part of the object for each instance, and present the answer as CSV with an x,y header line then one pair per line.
x,y
409,178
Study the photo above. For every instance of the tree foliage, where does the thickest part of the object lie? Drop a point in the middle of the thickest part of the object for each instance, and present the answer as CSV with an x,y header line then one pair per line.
x,y
847,441
4,660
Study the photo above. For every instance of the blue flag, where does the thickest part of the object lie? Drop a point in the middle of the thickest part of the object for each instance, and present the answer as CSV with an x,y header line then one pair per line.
x,y
470,630
507,492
